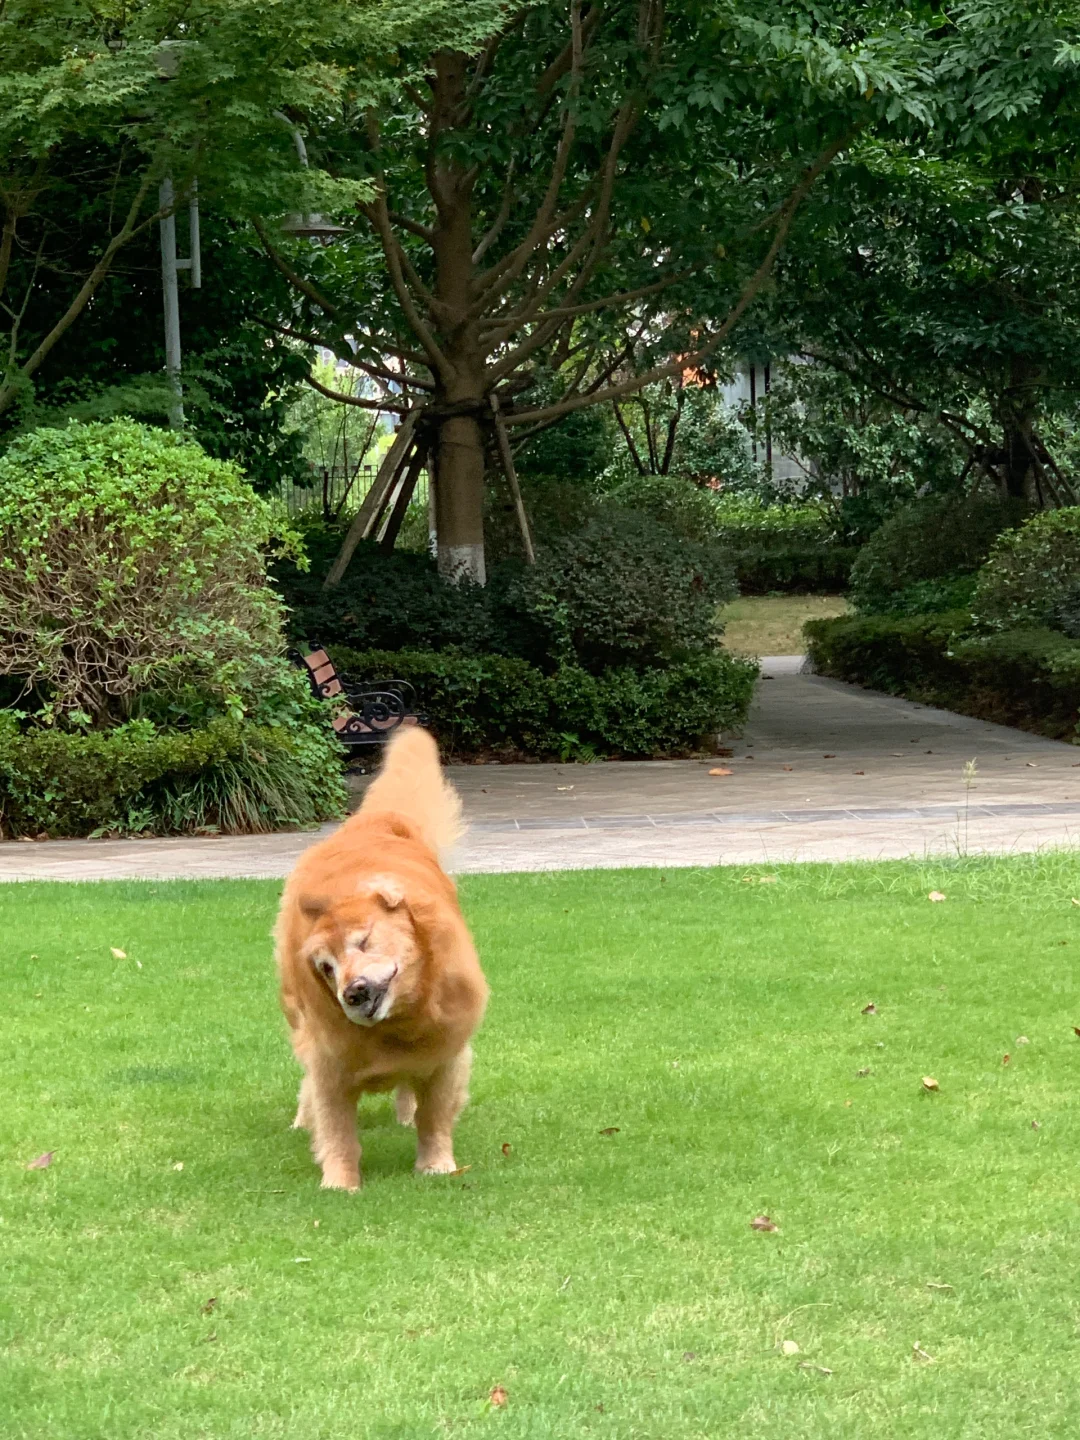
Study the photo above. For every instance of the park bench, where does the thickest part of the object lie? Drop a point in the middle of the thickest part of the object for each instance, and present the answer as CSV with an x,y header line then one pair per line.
x,y
373,711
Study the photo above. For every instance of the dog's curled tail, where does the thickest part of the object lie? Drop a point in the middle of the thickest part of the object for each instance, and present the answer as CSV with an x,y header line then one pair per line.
x,y
411,783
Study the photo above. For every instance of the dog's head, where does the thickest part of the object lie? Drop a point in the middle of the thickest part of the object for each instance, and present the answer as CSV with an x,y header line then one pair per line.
x,y
365,949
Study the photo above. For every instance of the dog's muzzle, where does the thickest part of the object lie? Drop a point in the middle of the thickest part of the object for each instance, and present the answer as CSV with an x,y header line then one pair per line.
x,y
364,999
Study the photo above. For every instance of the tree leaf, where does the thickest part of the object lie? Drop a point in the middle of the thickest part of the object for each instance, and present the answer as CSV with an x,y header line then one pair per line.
x,y
498,1397
762,1222
42,1162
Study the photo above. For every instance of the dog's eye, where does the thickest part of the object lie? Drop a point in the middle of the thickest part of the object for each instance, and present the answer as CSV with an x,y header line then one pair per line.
x,y
327,969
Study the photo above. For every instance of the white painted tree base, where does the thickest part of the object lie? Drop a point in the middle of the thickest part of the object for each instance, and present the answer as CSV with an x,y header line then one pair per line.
x,y
463,562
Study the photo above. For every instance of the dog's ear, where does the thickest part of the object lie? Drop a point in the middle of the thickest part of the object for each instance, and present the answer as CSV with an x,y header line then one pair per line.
x,y
386,888
314,907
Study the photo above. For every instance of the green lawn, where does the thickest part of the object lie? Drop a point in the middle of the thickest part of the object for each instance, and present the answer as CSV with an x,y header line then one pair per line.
x,y
772,624
611,1283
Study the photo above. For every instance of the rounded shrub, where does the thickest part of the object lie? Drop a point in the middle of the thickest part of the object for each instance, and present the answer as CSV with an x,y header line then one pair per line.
x,y
130,560
1032,574
671,501
933,538
625,591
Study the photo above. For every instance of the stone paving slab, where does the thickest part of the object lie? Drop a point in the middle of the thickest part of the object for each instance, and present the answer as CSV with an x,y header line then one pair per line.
x,y
823,771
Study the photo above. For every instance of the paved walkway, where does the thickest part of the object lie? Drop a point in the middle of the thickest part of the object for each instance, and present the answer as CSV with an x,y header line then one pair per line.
x,y
824,771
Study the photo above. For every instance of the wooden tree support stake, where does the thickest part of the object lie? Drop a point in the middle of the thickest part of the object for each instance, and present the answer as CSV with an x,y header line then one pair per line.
x,y
389,535
374,503
511,476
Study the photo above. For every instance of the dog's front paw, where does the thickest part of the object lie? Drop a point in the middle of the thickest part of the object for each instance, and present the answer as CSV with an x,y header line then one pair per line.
x,y
440,1166
341,1180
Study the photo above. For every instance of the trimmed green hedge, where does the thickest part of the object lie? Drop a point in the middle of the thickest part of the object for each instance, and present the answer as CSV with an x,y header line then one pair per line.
x,y
226,777
483,703
1029,678
811,567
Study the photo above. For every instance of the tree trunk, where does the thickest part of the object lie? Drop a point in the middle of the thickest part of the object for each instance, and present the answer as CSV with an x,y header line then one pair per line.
x,y
459,499
1017,423
1018,467
461,381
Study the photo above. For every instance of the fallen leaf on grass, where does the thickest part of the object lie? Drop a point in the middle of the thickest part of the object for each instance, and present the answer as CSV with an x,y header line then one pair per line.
x,y
1035,1125
208,1308
117,954
301,1260
209,1339
929,1083
689,1355
179,1165
790,1347
506,1147
1074,901
918,1353
719,770
1005,1059
932,1285
936,896
870,1009
847,1104
1076,1029
862,1074
461,1170
767,880
1022,1040
762,1222
498,1397
819,1369
42,1162
611,1130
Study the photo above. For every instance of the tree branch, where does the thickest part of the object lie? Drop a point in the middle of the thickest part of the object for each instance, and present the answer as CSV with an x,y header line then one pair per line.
x,y
572,50
398,407
390,249
82,298
296,281
510,323
749,292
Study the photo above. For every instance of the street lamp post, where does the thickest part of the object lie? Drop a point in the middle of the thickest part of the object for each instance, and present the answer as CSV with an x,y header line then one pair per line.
x,y
170,266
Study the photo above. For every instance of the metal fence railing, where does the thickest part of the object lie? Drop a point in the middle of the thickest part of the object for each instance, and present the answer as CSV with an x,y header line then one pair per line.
x,y
335,490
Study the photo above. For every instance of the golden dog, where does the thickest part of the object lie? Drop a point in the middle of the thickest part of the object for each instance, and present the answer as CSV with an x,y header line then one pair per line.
x,y
380,982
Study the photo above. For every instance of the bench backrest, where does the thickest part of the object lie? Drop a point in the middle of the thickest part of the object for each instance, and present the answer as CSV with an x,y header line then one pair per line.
x,y
324,678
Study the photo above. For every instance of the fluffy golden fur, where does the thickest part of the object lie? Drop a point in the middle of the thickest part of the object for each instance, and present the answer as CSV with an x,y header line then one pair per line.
x,y
380,982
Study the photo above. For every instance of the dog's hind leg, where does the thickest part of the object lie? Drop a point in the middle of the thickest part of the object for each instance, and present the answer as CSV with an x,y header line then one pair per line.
x,y
439,1101
405,1105
305,1114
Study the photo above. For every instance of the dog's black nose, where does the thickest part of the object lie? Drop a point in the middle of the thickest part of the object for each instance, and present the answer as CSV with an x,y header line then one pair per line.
x,y
359,992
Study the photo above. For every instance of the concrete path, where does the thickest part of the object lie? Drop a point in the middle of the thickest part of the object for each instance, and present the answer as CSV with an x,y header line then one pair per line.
x,y
824,771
